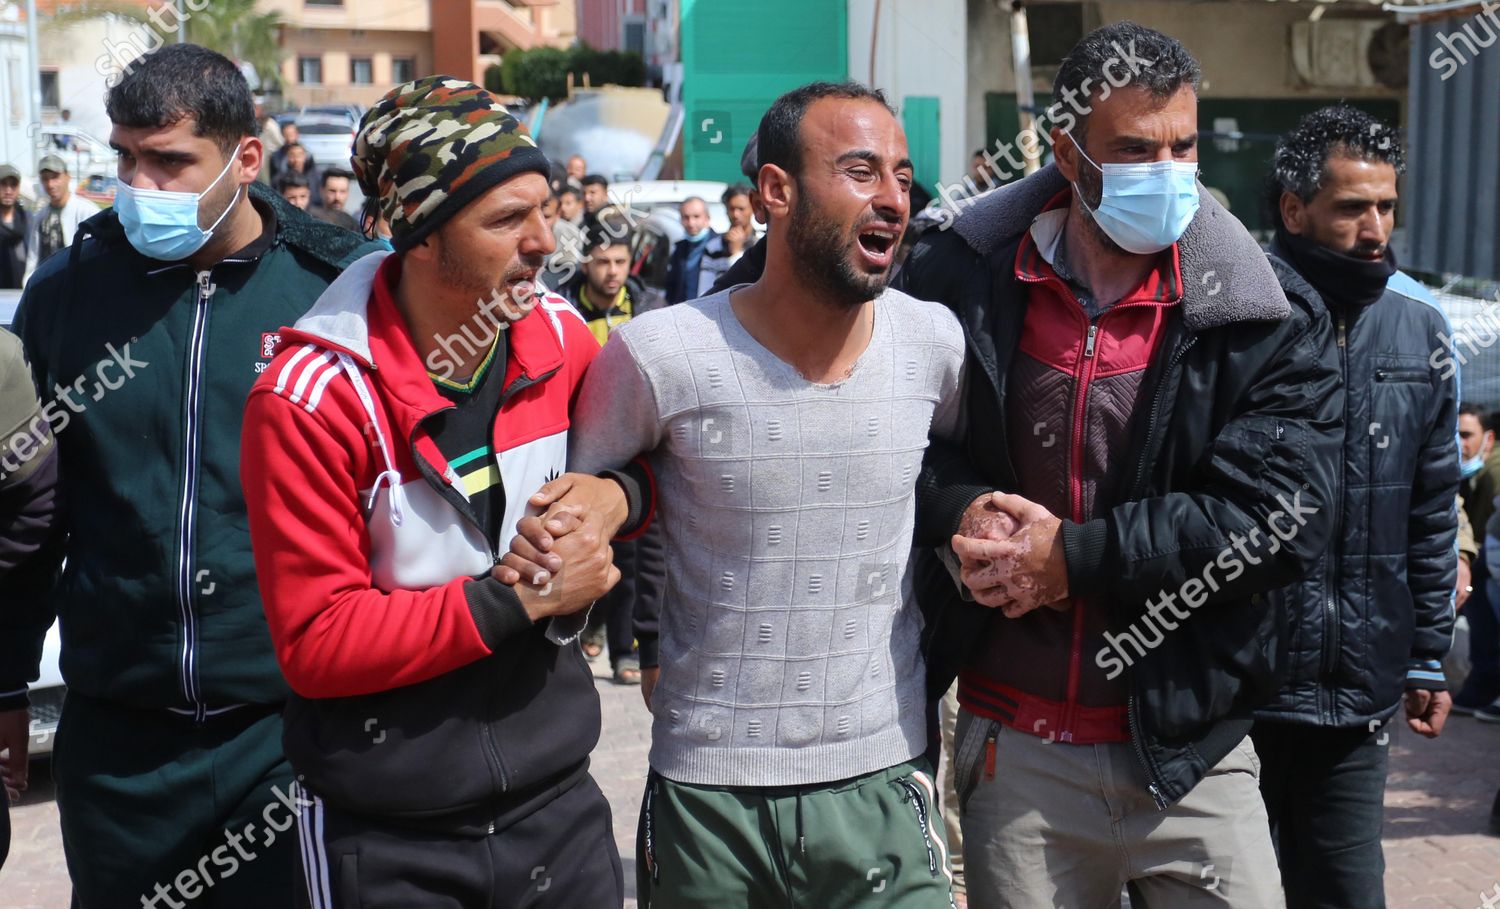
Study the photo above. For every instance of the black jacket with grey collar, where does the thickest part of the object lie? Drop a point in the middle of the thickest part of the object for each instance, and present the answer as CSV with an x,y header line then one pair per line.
x,y
1243,417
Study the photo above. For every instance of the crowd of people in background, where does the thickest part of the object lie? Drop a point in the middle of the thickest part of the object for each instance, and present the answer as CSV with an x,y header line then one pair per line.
x,y
29,238
809,493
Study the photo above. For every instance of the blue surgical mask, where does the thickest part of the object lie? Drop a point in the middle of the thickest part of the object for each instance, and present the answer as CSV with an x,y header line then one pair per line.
x,y
1467,467
1145,207
700,235
163,224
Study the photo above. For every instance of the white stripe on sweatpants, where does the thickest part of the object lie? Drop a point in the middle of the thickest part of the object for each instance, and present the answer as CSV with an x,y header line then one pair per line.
x,y
303,854
930,793
314,856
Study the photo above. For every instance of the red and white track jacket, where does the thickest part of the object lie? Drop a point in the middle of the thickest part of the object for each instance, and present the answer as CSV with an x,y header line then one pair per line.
x,y
423,691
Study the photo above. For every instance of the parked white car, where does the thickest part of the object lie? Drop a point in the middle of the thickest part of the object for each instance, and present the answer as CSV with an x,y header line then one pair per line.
x,y
651,196
87,155
329,139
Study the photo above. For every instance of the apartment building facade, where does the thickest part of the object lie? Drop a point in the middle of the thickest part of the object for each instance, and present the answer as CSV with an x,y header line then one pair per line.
x,y
354,51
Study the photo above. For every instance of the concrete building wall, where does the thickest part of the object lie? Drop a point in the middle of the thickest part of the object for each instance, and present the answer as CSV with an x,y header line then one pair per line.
x,y
1454,179
918,49
382,15
601,22
15,136
88,56
336,48
1245,50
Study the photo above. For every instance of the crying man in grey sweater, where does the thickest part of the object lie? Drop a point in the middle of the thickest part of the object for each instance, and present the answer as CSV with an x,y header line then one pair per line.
x,y
785,422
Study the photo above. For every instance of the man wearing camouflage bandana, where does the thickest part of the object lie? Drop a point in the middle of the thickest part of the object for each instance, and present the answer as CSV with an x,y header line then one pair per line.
x,y
442,714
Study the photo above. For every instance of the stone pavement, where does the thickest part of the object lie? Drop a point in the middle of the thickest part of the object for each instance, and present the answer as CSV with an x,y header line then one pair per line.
x,y
1437,805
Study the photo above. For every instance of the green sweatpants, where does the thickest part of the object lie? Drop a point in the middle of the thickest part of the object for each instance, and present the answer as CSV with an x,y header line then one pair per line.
x,y
160,812
875,840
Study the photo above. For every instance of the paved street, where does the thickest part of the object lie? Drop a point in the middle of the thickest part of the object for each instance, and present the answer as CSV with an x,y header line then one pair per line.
x,y
1436,807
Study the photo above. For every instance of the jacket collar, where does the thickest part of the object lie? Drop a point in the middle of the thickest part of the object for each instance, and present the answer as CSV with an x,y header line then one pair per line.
x,y
1225,275
1037,261
293,227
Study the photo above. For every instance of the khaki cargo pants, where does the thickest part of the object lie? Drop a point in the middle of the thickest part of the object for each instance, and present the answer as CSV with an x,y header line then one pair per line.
x,y
1052,824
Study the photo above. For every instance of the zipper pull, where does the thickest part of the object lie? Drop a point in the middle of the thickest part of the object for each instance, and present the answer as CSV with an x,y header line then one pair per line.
x,y
1088,346
989,758
206,286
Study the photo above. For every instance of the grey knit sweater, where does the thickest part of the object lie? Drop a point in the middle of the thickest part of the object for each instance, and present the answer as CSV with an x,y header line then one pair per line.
x,y
789,639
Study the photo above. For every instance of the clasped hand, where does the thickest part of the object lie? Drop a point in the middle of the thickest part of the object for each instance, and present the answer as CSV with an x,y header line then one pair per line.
x,y
560,561
1010,551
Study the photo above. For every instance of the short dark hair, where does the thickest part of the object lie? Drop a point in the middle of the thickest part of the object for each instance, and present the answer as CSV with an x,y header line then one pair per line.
x,y
291,145
180,81
290,180
1301,156
569,190
735,189
596,180
1166,68
607,229
779,139
335,172
1486,420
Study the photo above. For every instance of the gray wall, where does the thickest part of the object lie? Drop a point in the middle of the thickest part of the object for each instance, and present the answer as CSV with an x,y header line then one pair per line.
x,y
1453,130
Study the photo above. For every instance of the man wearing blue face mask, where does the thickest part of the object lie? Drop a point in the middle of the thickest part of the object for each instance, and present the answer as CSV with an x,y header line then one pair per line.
x,y
1150,428
145,337
1370,624
687,255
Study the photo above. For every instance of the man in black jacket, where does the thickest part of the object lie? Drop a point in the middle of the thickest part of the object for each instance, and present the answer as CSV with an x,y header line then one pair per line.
x,y
1371,622
28,515
145,336
1167,423
606,294
687,255
15,230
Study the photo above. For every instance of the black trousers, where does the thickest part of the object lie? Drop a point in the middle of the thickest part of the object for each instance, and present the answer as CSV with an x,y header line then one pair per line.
x,y
4,827
1325,792
562,856
642,564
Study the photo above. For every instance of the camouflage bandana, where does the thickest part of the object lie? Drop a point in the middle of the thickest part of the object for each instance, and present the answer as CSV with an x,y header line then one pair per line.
x,y
430,147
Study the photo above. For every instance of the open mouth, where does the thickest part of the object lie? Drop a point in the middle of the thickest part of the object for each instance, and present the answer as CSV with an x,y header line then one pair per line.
x,y
877,243
523,283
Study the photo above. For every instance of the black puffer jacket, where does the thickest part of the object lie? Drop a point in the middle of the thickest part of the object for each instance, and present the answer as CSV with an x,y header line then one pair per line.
x,y
1243,418
1376,613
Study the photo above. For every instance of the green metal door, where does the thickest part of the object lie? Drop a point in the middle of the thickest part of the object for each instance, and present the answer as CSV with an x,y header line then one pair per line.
x,y
922,120
738,57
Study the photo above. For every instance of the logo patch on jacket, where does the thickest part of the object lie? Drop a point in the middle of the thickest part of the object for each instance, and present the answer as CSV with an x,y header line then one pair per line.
x,y
270,342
